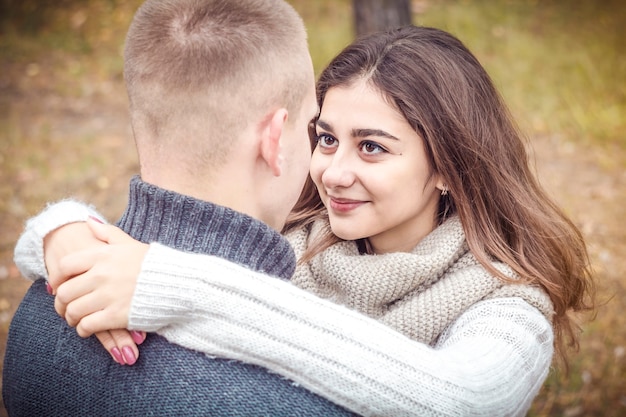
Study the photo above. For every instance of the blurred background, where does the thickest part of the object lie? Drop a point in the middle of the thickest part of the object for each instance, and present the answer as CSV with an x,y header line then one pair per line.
x,y
560,65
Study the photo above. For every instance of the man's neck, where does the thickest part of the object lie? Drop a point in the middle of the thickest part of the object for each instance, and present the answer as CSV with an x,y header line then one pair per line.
x,y
185,223
229,185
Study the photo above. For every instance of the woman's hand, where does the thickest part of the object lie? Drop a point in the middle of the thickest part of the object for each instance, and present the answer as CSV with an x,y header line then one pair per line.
x,y
121,344
63,241
98,296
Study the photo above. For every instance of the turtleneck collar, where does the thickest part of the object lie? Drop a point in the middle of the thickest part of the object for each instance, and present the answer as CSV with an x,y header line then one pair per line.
x,y
185,223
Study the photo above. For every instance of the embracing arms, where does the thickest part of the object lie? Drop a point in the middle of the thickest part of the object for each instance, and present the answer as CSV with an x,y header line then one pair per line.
x,y
491,361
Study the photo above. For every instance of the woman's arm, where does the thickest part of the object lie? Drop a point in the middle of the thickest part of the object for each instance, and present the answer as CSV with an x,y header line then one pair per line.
x,y
492,361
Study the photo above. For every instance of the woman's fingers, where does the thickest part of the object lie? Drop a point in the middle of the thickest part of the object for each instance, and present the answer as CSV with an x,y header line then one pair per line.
x,y
71,291
77,263
108,233
98,296
80,307
93,304
108,342
106,319
66,240
121,345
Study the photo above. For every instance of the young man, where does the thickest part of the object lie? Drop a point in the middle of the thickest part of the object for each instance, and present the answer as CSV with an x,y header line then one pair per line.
x,y
221,93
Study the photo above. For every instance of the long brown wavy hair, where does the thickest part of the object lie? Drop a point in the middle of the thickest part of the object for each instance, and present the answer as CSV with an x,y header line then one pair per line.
x,y
472,142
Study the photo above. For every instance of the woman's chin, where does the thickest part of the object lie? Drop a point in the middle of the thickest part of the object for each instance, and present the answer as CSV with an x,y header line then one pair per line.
x,y
344,234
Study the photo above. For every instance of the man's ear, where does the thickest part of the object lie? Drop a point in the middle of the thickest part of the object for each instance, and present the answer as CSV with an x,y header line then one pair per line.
x,y
270,141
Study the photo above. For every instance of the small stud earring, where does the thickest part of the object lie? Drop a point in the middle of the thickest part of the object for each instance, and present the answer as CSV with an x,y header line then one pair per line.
x,y
444,190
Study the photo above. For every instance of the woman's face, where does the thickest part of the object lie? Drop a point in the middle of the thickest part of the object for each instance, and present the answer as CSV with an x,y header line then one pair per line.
x,y
371,171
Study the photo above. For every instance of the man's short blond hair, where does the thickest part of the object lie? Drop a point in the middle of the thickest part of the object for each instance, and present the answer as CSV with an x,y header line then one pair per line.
x,y
201,70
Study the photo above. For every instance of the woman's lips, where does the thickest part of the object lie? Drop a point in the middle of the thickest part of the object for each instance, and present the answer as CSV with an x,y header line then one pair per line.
x,y
343,205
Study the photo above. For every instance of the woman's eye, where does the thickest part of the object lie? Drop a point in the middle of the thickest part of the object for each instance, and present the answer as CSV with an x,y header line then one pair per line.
x,y
371,148
326,141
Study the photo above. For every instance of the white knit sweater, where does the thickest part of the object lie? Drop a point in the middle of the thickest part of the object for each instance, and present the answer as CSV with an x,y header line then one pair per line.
x,y
491,361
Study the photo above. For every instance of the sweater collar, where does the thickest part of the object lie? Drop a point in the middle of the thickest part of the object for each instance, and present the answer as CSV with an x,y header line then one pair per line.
x,y
418,293
185,223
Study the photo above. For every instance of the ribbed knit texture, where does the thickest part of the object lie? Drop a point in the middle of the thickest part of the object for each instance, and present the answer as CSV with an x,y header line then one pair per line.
x,y
418,293
490,362
157,215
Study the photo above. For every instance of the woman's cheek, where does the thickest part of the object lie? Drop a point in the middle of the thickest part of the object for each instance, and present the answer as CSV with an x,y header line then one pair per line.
x,y
317,168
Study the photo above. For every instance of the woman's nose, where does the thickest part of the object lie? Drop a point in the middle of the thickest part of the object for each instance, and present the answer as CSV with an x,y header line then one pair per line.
x,y
339,172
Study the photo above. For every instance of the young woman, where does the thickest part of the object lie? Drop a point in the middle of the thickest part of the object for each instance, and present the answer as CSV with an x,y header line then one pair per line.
x,y
422,213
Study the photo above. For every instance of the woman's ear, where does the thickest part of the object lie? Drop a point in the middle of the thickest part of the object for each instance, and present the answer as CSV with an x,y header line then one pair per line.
x,y
441,185
270,140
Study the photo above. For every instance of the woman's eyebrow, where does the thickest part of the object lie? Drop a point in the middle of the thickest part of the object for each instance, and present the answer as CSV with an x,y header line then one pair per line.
x,y
324,125
363,133
359,133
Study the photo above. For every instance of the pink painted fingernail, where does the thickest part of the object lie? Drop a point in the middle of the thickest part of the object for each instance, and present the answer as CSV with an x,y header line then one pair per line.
x,y
129,355
117,355
95,219
138,337
49,288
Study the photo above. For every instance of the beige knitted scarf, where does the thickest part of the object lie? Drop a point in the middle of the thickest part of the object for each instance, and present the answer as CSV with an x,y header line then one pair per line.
x,y
418,293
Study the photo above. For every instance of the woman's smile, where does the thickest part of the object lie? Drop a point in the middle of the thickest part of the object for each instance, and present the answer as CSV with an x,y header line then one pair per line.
x,y
344,205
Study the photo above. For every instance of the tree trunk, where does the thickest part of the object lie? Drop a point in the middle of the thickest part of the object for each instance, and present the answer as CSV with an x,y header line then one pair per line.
x,y
377,15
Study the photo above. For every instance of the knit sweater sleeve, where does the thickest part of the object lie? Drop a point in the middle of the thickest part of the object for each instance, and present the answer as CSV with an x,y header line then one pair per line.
x,y
28,254
491,361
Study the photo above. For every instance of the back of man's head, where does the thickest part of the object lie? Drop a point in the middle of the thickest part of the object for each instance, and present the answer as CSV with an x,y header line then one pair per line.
x,y
198,72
